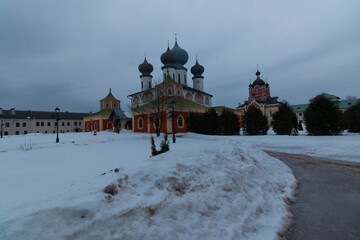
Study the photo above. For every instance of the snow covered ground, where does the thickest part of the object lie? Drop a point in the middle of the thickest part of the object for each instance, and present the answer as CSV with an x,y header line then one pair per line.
x,y
343,147
205,187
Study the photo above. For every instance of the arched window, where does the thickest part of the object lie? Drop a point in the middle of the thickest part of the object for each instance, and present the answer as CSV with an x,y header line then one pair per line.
x,y
189,96
164,76
179,78
149,84
169,91
160,93
257,91
140,123
199,98
180,122
107,105
178,92
207,101
174,76
185,78
142,84
96,126
270,113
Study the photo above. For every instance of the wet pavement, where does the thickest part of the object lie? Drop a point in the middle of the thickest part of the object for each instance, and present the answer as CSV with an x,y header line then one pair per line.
x,y
327,202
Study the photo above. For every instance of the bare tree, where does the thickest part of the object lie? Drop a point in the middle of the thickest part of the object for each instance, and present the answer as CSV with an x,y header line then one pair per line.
x,y
157,106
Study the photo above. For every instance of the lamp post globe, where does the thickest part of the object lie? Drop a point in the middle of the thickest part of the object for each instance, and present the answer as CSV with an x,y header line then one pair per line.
x,y
57,111
172,105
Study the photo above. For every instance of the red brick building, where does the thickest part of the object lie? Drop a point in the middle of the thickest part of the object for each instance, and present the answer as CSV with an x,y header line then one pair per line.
x,y
100,121
259,96
152,103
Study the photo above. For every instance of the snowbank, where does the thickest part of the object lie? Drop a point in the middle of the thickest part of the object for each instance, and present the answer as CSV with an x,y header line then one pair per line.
x,y
204,188
344,147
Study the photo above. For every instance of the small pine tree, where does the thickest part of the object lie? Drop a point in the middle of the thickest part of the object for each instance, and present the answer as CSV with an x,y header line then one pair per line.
x,y
351,118
285,120
153,147
229,123
254,122
164,146
322,117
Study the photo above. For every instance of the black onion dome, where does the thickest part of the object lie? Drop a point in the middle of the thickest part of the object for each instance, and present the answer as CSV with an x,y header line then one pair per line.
x,y
258,80
146,68
181,55
168,58
197,69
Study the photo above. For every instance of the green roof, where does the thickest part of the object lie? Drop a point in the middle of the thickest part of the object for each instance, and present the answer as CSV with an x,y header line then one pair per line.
x,y
105,112
343,104
109,97
180,102
168,80
346,103
326,95
299,107
222,108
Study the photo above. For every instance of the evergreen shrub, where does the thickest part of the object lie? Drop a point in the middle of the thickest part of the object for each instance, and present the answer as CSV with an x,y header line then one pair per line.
x,y
211,123
254,122
322,117
284,120
351,118
164,146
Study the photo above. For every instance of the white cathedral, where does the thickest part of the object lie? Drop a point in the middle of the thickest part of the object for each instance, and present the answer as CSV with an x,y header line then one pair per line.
x,y
175,75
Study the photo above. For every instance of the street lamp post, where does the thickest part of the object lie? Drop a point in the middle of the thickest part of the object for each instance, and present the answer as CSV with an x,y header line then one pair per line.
x,y
57,111
1,125
172,105
90,122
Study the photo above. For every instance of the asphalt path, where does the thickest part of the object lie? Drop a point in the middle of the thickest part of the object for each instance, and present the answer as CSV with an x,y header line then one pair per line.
x,y
327,201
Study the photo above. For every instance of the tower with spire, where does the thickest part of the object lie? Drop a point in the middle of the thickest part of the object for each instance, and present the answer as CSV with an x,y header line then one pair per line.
x,y
259,90
197,70
146,79
259,96
174,61
109,102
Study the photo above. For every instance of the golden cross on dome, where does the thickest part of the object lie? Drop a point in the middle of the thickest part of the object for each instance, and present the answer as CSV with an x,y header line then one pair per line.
x,y
145,54
175,36
257,67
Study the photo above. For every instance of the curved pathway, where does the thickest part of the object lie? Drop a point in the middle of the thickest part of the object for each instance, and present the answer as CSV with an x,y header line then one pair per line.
x,y
327,204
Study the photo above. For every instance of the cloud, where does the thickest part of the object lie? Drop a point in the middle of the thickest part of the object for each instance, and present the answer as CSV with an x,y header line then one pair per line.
x,y
69,53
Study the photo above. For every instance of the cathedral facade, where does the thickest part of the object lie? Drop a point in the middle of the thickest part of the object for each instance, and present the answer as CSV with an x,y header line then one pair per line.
x,y
259,96
152,104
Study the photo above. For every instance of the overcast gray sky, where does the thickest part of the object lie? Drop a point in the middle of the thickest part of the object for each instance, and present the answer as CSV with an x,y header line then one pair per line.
x,y
68,53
